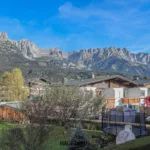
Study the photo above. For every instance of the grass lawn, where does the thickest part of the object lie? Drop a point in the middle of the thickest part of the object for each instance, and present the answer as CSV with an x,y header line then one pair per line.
x,y
57,136
6,125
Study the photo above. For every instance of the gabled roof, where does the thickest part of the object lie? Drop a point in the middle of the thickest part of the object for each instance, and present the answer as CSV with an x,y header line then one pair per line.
x,y
91,81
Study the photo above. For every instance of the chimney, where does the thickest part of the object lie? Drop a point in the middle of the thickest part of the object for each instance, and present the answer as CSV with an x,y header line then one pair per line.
x,y
136,77
93,75
65,80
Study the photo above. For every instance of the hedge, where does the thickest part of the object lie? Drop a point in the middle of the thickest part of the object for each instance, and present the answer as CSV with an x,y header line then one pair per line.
x,y
142,143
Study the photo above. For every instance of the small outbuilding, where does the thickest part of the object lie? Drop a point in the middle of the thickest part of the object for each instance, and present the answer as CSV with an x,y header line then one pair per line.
x,y
11,111
38,86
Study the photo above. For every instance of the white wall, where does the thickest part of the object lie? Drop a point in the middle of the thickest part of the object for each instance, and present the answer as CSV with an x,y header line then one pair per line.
x,y
116,93
89,88
132,93
108,93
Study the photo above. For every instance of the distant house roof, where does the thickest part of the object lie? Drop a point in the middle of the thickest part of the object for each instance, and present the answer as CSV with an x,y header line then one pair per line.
x,y
101,79
35,81
143,82
13,105
44,80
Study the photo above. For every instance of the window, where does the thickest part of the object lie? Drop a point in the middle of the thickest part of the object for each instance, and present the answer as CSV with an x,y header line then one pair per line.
x,y
135,107
119,94
148,91
125,93
99,92
143,93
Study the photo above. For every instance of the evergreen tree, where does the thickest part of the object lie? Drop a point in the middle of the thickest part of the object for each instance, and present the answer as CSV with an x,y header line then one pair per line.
x,y
79,140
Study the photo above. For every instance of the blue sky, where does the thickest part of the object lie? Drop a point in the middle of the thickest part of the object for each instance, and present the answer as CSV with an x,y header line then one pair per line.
x,y
76,24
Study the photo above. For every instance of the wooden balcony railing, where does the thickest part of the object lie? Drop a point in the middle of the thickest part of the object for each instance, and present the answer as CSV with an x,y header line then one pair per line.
x,y
109,101
130,100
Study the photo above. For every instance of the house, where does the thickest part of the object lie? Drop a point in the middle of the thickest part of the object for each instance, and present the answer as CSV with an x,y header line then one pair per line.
x,y
10,111
110,87
37,86
116,90
115,81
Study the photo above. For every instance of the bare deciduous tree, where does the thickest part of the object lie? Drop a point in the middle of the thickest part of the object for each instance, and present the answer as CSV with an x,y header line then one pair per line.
x,y
70,103
62,103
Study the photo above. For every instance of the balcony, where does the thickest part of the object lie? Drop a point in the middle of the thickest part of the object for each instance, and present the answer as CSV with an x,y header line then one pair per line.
x,y
130,100
110,102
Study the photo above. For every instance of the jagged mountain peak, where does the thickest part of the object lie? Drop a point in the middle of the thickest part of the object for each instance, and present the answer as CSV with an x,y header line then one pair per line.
x,y
57,53
30,50
3,36
108,58
26,42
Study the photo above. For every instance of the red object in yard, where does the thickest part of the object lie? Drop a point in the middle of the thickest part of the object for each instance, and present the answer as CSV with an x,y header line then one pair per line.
x,y
147,102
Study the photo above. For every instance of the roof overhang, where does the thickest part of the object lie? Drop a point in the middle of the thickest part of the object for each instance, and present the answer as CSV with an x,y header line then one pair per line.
x,y
109,78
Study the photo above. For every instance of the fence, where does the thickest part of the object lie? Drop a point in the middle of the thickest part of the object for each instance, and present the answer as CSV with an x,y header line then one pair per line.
x,y
114,121
145,110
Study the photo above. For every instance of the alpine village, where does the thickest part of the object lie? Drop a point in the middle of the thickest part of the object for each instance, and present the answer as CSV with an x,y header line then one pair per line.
x,y
75,75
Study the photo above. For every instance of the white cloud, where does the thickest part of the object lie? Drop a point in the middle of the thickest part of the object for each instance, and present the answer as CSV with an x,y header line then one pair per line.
x,y
89,26
129,2
69,11
117,23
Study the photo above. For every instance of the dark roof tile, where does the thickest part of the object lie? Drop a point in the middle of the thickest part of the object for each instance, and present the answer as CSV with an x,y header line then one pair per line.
x,y
90,81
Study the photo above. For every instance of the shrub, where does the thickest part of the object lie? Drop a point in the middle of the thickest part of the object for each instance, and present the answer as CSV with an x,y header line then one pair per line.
x,y
79,140
138,144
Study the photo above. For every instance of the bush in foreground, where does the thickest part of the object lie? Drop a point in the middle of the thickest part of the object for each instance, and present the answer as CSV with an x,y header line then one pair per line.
x,y
79,140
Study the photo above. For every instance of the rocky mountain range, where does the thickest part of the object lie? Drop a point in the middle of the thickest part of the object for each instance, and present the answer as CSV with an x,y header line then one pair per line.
x,y
95,59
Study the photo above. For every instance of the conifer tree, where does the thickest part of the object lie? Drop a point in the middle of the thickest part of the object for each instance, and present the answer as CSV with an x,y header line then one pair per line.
x,y
79,140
